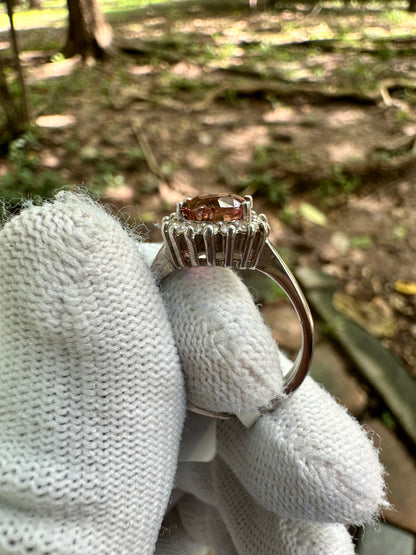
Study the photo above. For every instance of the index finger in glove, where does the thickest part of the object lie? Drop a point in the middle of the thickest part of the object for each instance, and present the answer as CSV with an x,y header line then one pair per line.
x,y
253,529
308,459
230,360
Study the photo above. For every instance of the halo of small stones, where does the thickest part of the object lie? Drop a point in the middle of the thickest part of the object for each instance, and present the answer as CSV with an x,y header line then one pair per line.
x,y
236,244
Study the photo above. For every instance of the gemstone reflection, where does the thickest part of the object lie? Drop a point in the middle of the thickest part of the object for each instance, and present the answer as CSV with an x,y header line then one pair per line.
x,y
213,208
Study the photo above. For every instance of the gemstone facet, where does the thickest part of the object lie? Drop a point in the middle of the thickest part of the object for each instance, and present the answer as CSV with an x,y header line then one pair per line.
x,y
213,208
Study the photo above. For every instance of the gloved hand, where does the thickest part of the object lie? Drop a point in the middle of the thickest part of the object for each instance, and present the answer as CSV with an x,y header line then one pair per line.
x,y
290,484
92,402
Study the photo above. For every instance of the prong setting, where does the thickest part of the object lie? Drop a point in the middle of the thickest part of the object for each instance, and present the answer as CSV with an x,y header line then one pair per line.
x,y
179,209
247,207
229,245
235,244
208,236
223,230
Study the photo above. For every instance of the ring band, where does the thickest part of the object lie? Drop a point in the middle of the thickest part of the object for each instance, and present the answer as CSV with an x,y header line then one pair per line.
x,y
223,230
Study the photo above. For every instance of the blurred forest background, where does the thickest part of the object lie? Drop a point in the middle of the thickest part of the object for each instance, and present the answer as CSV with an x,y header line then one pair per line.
x,y
309,107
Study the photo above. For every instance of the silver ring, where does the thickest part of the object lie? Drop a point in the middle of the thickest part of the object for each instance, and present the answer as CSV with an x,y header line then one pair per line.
x,y
223,230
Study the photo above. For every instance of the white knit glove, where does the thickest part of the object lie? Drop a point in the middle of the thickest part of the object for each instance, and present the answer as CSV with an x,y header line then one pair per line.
x,y
92,406
290,484
91,395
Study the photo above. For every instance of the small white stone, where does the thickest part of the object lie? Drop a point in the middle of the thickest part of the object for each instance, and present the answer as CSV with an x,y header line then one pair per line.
x,y
340,242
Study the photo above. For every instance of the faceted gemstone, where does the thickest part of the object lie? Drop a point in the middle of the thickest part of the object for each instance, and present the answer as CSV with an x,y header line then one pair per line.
x,y
213,208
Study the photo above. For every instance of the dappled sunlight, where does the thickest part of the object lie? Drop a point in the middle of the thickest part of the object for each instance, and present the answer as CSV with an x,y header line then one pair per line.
x,y
56,121
281,114
344,116
49,160
120,193
346,151
52,70
242,142
187,70
198,159
141,70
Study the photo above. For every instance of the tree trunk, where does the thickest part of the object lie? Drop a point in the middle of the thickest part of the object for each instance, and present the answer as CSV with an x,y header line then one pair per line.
x,y
19,69
13,117
412,6
35,4
88,33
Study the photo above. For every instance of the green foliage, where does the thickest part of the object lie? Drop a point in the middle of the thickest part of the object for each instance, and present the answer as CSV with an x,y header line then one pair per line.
x,y
136,155
403,116
265,183
340,184
231,96
53,94
106,181
388,420
173,83
25,180
56,12
396,16
265,177
361,242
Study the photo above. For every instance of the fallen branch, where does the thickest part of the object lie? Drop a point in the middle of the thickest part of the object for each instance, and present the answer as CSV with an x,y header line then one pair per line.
x,y
250,87
398,45
283,89
137,47
148,154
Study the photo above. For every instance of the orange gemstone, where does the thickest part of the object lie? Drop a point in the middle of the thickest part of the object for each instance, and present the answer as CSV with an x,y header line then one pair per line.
x,y
213,208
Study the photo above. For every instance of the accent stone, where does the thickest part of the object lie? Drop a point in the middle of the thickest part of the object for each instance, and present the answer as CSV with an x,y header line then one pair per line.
x,y
213,208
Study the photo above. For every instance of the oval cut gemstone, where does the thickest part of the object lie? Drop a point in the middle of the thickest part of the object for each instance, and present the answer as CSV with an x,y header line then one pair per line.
x,y
213,208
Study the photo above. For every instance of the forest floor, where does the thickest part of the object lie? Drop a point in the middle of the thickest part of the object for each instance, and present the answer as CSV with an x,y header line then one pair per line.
x,y
312,110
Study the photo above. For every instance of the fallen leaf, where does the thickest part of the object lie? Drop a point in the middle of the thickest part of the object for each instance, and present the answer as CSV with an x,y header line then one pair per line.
x,y
401,232
407,288
312,214
369,315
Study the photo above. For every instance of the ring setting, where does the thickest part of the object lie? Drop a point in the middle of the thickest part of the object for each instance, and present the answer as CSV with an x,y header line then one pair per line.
x,y
224,230
215,230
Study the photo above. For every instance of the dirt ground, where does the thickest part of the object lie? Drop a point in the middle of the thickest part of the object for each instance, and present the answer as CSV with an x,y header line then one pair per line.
x,y
320,130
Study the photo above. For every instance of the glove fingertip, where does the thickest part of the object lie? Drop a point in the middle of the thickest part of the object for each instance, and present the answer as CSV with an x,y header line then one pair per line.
x,y
228,355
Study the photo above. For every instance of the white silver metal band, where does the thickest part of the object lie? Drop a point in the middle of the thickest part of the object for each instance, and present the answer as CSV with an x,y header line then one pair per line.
x,y
270,263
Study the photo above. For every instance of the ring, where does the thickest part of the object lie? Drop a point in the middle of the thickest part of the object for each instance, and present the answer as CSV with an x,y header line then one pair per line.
x,y
224,230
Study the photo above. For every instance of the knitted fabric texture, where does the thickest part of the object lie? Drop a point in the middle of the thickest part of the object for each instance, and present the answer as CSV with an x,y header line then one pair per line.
x,y
228,355
308,459
92,406
175,540
91,396
204,523
252,529
288,484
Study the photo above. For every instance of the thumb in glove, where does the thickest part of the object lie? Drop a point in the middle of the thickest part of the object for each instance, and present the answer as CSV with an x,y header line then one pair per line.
x,y
91,397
